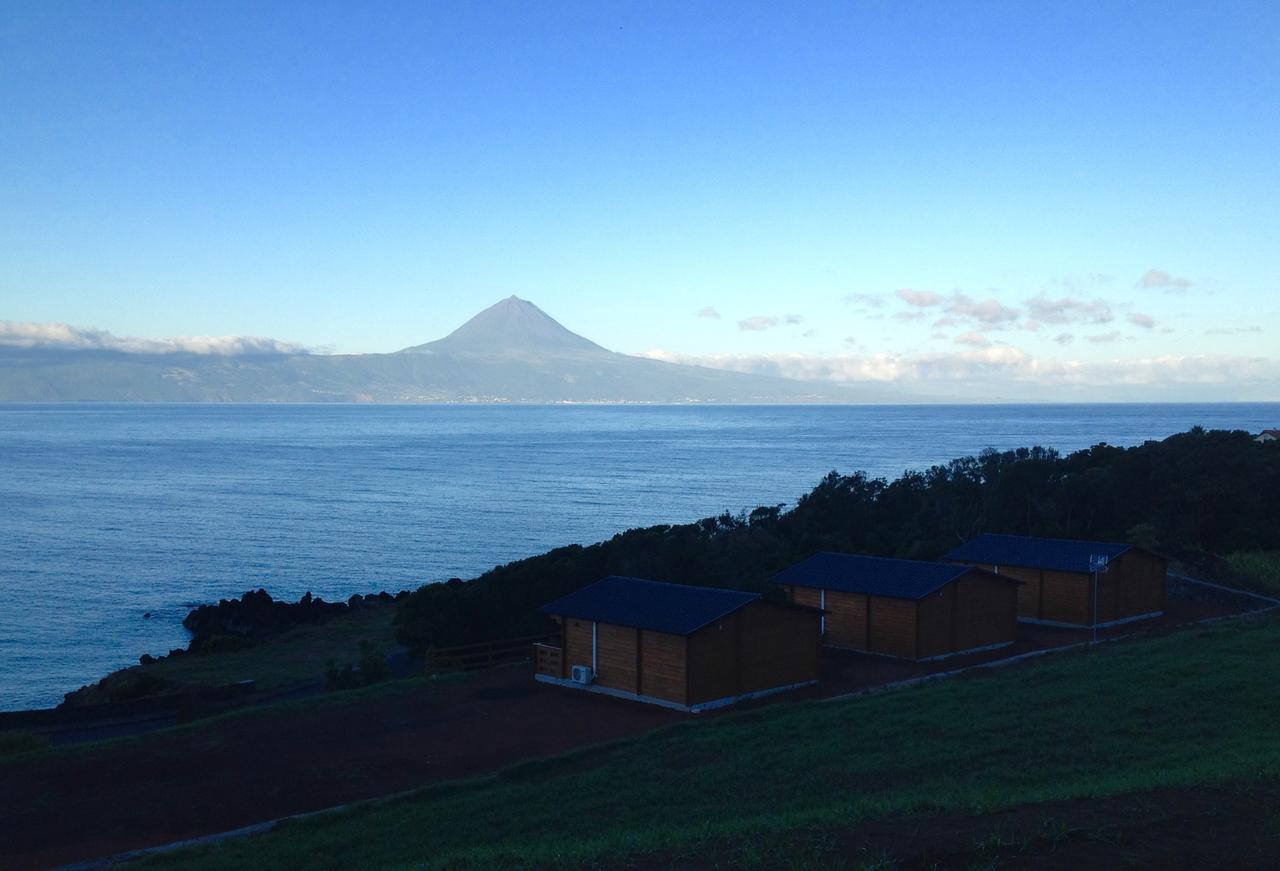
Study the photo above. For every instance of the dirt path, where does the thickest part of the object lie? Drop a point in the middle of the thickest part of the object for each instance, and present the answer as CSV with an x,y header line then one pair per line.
x,y
178,784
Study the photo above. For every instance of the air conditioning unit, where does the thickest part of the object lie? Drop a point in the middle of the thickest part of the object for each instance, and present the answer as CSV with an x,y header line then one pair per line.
x,y
581,674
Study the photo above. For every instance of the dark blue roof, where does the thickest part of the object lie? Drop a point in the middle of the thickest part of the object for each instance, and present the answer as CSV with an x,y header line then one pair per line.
x,y
876,576
1057,554
674,608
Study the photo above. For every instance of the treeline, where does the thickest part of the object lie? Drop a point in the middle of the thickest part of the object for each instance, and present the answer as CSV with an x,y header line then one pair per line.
x,y
1194,496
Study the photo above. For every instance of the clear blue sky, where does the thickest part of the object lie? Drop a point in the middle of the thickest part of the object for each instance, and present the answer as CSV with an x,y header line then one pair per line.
x,y
362,177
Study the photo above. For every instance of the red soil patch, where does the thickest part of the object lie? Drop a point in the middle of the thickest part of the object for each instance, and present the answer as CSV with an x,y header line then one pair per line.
x,y
172,785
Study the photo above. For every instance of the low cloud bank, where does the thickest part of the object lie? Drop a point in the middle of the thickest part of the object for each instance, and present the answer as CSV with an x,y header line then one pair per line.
x,y
21,334
1005,370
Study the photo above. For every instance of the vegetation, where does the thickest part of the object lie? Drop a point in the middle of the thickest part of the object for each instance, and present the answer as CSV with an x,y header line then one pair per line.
x,y
1260,567
1196,707
1192,495
17,744
372,669
294,656
297,654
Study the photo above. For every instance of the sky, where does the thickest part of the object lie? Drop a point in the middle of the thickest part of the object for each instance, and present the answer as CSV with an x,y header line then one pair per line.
x,y
1021,197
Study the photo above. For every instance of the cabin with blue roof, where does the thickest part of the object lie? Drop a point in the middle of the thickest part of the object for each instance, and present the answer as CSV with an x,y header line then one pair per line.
x,y
904,608
1067,582
679,646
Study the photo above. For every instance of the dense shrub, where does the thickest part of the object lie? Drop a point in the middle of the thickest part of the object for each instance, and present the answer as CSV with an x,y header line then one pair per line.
x,y
1189,496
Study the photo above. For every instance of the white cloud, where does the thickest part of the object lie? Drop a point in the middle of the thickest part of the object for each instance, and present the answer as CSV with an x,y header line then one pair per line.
x,y
869,300
20,334
988,311
1141,320
920,298
1068,310
1002,370
709,312
1104,338
1064,338
907,317
758,323
1162,280
959,308
1232,331
975,339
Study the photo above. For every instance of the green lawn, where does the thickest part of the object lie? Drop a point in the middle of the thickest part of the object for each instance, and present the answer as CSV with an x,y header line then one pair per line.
x,y
1260,566
298,654
1195,707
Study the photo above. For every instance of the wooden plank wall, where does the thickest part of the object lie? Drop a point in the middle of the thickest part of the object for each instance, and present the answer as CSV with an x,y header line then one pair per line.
x,y
1136,580
892,627
780,647
661,658
938,622
1067,597
664,666
714,660
577,644
616,657
986,612
846,615
1030,594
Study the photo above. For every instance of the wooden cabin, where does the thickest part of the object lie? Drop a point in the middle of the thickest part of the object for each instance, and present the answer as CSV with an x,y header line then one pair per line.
x,y
904,608
1060,586
683,647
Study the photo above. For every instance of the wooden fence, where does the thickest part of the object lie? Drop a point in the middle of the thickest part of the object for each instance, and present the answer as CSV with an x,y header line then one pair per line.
x,y
547,659
487,654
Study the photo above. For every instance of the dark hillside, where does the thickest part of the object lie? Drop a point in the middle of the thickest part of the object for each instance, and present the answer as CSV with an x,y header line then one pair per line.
x,y
1196,496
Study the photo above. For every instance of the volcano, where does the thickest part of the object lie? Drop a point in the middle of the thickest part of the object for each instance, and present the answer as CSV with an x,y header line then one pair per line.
x,y
511,352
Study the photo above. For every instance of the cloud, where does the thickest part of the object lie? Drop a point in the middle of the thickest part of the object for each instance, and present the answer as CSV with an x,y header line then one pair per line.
x,y
1064,338
809,334
758,323
920,298
1104,338
870,300
709,312
988,311
959,308
975,339
1159,279
1003,370
1232,331
1141,320
1068,310
907,317
19,334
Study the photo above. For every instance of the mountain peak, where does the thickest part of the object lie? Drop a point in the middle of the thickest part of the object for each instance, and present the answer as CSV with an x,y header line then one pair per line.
x,y
510,325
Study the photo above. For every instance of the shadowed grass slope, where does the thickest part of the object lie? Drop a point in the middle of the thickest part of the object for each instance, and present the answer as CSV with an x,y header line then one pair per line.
x,y
1194,707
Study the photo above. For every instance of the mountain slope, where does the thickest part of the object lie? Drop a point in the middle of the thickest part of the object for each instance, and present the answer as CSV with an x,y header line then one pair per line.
x,y
511,327
510,352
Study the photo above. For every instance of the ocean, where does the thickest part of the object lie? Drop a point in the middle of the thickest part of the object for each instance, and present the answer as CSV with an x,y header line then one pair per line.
x,y
111,512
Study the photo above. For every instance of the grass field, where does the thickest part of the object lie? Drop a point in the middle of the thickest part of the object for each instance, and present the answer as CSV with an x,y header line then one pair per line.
x,y
1196,707
1262,567
296,655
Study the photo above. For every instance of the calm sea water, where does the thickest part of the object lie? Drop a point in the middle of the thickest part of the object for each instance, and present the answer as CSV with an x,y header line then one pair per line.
x,y
108,512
